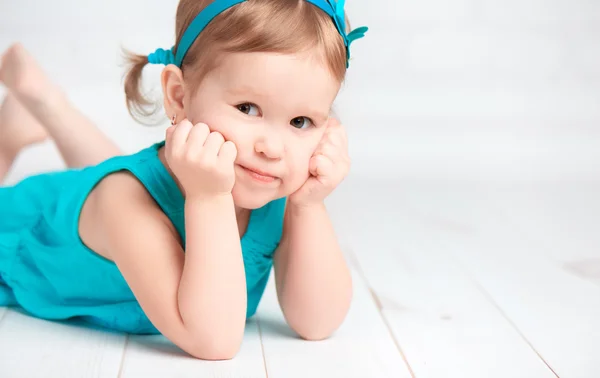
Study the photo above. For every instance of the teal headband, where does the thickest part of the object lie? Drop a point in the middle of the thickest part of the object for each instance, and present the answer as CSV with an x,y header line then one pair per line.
x,y
335,9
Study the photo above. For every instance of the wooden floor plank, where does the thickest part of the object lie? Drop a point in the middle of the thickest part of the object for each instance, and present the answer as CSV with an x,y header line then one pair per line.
x,y
362,347
30,348
557,311
563,219
155,356
444,323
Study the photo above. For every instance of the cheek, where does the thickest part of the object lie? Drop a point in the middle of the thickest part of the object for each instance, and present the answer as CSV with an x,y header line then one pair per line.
x,y
300,168
217,121
299,161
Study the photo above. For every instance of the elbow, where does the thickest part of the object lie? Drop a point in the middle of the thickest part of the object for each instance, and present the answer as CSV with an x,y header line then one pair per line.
x,y
215,343
314,334
213,340
215,350
316,323
214,354
315,328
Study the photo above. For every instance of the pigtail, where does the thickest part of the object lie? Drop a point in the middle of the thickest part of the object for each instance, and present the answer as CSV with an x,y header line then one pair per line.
x,y
140,107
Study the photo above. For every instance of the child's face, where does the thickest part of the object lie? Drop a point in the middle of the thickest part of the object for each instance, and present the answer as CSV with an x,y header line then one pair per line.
x,y
275,108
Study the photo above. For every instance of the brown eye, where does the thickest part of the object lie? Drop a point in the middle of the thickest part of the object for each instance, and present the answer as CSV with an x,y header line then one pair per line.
x,y
248,108
300,122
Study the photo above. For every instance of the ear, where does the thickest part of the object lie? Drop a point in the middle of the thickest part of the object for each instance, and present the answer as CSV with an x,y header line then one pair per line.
x,y
173,91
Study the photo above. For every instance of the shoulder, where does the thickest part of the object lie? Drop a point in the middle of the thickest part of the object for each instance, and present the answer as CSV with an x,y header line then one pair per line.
x,y
119,208
120,189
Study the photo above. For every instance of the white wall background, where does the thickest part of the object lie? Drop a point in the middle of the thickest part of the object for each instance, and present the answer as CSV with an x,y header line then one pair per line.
x,y
439,89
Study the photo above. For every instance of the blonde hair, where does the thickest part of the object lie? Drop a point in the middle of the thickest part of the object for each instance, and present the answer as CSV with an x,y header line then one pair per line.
x,y
280,26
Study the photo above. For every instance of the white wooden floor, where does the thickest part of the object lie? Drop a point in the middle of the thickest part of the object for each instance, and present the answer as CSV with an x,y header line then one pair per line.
x,y
471,219
452,280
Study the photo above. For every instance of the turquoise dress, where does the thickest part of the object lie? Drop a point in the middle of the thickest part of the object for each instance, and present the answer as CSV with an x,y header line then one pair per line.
x,y
46,269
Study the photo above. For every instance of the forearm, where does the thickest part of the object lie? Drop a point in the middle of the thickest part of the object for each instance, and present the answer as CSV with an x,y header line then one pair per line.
x,y
78,140
212,291
314,282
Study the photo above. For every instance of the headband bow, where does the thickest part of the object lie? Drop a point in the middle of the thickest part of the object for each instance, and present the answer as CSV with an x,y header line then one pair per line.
x,y
335,9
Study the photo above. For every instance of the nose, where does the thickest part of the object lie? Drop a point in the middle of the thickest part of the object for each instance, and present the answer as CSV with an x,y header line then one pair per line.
x,y
270,144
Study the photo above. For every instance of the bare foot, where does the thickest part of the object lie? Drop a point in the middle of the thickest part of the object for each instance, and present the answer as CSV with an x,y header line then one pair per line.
x,y
27,84
18,128
24,78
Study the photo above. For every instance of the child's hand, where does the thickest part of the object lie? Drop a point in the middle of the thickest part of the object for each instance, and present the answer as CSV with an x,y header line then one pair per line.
x,y
202,160
328,167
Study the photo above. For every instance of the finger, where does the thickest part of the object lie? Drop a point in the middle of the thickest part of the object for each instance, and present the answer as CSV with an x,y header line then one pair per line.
x,y
333,123
343,135
213,143
180,135
332,139
327,149
228,152
321,165
325,140
337,133
197,138
340,135
312,165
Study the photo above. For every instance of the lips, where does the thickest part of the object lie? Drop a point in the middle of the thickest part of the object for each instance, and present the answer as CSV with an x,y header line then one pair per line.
x,y
259,175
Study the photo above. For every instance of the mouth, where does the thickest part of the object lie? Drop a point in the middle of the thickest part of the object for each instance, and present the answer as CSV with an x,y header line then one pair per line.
x,y
259,175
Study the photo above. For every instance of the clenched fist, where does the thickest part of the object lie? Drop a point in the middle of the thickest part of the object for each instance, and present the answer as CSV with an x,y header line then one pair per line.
x,y
202,160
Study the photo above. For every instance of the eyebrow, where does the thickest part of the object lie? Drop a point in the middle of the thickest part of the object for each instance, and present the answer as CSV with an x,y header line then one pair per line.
x,y
244,90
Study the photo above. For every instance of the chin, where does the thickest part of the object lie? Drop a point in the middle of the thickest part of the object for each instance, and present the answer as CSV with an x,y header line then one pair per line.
x,y
251,200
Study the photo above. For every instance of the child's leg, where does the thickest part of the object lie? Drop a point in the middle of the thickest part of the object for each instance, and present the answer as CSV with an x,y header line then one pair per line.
x,y
5,163
18,129
79,141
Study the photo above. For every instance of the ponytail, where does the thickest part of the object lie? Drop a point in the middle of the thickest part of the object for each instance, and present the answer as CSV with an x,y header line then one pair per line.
x,y
139,106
